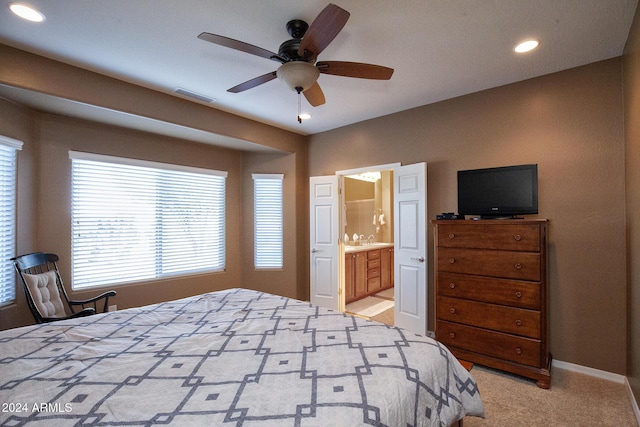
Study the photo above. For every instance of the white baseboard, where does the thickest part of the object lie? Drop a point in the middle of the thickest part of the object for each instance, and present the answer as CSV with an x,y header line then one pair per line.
x,y
621,379
609,376
634,404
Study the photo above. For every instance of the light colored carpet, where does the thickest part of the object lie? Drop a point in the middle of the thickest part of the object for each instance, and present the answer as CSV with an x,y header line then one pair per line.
x,y
369,306
386,317
574,399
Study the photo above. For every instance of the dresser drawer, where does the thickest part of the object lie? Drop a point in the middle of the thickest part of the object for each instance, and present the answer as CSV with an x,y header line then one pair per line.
x,y
516,237
373,254
522,350
500,318
497,291
505,264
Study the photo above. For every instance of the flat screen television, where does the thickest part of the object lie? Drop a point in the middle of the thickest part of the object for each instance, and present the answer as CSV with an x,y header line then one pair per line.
x,y
498,192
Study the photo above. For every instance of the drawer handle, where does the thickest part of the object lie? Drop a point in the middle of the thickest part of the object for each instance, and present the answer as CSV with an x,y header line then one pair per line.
x,y
518,322
452,285
518,266
451,235
518,350
452,310
452,260
452,335
518,294
517,237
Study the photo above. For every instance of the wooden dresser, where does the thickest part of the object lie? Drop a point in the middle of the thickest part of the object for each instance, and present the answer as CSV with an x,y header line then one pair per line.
x,y
491,294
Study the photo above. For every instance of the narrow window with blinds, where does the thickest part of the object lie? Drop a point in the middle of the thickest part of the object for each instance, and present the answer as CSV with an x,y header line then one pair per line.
x,y
267,220
135,220
8,171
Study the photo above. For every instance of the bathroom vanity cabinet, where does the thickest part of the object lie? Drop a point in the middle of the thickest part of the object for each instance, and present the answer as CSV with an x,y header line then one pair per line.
x,y
368,270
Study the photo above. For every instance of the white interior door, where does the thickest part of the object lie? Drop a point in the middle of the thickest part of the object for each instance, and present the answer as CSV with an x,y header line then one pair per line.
x,y
324,222
410,256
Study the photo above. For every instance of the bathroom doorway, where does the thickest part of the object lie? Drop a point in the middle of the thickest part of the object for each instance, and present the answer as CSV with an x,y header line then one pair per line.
x,y
327,258
368,239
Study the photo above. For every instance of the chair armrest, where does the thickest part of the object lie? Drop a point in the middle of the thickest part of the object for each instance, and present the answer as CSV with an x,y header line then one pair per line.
x,y
96,298
85,312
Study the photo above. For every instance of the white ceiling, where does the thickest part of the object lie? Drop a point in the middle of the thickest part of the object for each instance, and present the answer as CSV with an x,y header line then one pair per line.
x,y
439,49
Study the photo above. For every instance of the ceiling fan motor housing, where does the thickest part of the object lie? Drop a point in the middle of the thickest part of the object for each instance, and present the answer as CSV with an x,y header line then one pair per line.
x,y
289,49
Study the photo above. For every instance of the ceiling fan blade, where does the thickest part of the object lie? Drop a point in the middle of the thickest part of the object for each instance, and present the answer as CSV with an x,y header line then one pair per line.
x,y
314,95
237,45
322,31
355,69
249,84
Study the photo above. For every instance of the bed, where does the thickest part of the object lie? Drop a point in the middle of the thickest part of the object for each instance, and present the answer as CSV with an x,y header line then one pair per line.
x,y
236,357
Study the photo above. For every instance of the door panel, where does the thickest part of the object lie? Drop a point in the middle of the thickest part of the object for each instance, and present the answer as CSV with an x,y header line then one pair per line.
x,y
410,251
324,257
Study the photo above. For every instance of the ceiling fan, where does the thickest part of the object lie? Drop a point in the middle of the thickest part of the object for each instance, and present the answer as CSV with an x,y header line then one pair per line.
x,y
299,69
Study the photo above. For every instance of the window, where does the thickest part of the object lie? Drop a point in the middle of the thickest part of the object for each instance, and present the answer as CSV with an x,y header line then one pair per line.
x,y
8,168
267,220
134,220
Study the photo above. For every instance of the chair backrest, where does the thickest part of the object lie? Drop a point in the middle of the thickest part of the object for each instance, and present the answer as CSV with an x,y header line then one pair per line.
x,y
43,287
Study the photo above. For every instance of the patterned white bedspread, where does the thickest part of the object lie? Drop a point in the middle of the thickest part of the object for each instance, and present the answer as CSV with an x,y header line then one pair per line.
x,y
235,357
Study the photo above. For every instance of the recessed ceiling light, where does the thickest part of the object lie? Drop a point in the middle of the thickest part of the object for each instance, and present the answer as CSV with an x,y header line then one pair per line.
x,y
526,46
26,12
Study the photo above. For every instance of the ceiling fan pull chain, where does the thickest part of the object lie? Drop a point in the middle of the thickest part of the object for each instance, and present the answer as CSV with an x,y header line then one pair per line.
x,y
299,90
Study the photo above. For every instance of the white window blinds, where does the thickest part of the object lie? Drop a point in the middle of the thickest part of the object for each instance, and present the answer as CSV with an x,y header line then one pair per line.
x,y
267,208
134,220
8,169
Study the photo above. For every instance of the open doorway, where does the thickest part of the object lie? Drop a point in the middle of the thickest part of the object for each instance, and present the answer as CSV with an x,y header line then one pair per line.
x,y
367,226
327,248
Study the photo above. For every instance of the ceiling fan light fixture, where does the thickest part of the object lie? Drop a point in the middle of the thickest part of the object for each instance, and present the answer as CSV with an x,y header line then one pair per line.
x,y
298,74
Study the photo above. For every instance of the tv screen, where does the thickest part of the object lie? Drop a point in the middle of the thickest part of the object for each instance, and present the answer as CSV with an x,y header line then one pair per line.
x,y
498,192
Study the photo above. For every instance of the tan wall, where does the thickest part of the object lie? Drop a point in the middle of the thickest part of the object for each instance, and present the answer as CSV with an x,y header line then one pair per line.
x,y
44,222
50,180
281,281
44,174
570,124
358,190
631,62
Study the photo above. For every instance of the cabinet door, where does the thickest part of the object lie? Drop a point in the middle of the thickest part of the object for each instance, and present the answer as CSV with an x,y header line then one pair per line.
x,y
360,273
386,268
392,263
349,284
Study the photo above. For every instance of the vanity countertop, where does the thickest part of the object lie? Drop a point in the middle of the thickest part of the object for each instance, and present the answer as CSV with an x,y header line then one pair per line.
x,y
367,247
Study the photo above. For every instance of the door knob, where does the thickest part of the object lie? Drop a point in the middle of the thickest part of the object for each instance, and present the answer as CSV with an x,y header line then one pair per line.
x,y
419,259
314,250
